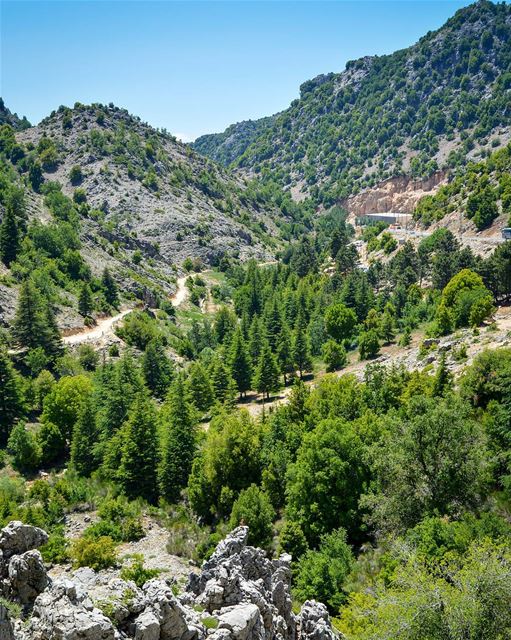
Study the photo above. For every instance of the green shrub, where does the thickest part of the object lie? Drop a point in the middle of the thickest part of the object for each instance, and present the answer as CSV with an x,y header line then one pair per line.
x,y
136,572
96,553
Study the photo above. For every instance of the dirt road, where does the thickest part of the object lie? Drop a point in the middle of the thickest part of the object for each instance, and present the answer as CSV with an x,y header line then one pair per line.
x,y
103,328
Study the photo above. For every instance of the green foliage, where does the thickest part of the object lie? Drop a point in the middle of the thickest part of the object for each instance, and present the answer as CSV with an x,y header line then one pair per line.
x,y
179,441
253,509
267,373
230,461
139,452
368,344
23,447
138,330
12,405
109,289
157,368
85,437
334,356
432,460
292,540
331,472
136,572
340,322
96,553
461,599
321,574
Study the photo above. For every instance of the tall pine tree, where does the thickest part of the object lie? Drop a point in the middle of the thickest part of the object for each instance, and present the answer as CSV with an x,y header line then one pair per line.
x,y
139,454
285,353
241,366
109,289
301,351
9,238
199,387
85,301
266,378
84,439
179,441
29,327
157,368
11,397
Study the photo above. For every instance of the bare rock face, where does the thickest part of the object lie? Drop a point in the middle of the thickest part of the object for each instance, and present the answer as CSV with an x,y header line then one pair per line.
x,y
237,575
245,595
315,622
27,576
16,538
64,612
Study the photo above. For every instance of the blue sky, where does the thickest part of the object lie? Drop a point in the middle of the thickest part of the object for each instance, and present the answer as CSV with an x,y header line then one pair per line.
x,y
192,67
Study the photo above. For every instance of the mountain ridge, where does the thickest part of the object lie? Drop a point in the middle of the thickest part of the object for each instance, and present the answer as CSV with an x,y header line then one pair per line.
x,y
422,108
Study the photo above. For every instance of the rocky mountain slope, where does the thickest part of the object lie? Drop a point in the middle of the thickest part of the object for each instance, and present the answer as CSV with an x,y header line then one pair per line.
x,y
225,147
141,203
148,187
12,119
421,109
239,594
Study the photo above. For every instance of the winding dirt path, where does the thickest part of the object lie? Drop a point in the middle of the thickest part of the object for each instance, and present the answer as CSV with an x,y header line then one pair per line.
x,y
103,328
182,292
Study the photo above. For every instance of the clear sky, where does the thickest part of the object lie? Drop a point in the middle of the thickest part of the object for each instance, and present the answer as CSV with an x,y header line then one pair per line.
x,y
193,67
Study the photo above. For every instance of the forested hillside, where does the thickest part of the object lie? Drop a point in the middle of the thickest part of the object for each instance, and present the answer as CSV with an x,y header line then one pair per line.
x,y
481,190
347,398
418,109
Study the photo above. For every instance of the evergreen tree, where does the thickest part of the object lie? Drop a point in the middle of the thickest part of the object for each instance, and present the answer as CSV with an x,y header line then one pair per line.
x,y
11,397
52,344
387,331
29,327
85,437
109,289
273,325
301,351
85,301
255,340
116,393
179,441
139,454
266,378
225,324
222,381
442,381
9,238
285,353
199,387
157,369
241,367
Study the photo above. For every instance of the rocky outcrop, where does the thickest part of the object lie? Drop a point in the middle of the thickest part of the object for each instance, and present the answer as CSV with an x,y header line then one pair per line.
x,y
17,538
240,594
395,195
